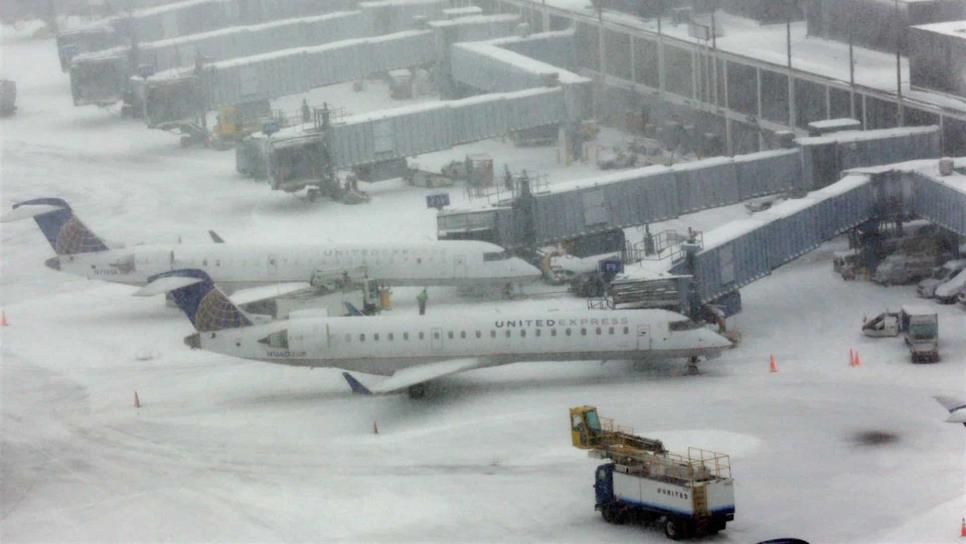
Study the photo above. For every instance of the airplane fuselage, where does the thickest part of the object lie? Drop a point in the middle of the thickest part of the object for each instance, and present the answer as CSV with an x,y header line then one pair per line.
x,y
383,345
236,266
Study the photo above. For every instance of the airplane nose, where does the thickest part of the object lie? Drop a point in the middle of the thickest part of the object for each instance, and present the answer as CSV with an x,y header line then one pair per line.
x,y
193,341
53,263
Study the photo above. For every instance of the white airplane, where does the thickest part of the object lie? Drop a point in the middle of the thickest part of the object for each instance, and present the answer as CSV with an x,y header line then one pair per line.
x,y
412,350
956,407
240,266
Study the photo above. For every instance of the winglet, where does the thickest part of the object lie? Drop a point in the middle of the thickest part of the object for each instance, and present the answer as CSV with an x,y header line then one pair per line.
x,y
352,309
356,385
215,238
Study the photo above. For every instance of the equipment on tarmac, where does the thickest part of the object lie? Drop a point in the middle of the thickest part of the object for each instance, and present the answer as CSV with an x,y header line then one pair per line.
x,y
921,328
689,495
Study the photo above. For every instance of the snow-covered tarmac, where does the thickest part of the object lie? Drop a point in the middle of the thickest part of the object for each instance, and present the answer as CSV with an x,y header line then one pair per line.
x,y
229,450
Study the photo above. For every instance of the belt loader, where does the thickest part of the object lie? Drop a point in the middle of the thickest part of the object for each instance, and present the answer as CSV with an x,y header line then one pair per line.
x,y
689,495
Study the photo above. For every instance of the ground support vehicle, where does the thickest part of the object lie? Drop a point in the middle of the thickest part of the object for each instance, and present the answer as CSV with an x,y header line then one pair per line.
x,y
688,495
919,325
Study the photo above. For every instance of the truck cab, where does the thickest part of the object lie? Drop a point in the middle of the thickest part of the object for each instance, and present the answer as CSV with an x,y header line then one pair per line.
x,y
921,327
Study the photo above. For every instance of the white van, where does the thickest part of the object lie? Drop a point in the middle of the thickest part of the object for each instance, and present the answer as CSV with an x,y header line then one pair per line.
x,y
942,274
947,292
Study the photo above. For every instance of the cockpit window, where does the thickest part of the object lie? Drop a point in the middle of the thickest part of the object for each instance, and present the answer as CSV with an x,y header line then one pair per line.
x,y
684,325
496,255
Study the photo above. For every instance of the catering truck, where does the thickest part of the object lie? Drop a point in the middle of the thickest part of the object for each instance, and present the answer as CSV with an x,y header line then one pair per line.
x,y
688,495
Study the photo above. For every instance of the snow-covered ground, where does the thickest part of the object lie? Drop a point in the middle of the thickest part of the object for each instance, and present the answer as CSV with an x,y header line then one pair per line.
x,y
230,450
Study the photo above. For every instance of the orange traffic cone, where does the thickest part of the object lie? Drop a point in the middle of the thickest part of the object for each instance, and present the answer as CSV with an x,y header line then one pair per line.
x,y
375,428
772,365
137,401
851,357
3,319
858,360
962,529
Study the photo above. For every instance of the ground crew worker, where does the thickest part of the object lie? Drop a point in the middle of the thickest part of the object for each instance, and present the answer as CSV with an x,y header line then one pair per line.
x,y
306,111
421,298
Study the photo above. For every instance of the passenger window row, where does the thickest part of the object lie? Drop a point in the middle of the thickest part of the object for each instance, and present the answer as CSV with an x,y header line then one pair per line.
x,y
508,333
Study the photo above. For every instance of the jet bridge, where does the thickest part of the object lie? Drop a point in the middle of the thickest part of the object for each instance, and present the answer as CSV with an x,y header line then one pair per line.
x,y
297,159
741,252
523,94
575,209
102,76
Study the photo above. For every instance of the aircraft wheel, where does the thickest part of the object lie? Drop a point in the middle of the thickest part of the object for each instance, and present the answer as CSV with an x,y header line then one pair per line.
x,y
417,391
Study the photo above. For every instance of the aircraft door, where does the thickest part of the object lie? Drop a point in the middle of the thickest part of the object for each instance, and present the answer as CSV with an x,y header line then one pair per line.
x,y
643,337
436,338
459,266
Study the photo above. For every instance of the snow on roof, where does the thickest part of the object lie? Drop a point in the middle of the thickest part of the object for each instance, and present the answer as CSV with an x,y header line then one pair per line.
x,y
386,3
787,208
523,62
835,123
956,29
439,104
501,42
191,38
475,19
844,185
771,153
730,231
710,162
615,177
767,43
147,12
241,61
862,135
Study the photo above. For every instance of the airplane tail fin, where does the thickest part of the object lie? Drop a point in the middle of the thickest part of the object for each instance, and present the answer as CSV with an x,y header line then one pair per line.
x,y
204,304
65,232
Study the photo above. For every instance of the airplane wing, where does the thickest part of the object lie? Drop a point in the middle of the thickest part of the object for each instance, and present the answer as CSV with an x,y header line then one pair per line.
x,y
955,407
255,294
406,377
163,285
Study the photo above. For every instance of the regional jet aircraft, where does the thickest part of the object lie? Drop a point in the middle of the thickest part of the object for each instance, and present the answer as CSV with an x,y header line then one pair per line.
x,y
413,350
238,266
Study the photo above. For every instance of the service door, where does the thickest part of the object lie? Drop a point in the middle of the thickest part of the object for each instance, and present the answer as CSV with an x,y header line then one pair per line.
x,y
459,266
436,339
643,337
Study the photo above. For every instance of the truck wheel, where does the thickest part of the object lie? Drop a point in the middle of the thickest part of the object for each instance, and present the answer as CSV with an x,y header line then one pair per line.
x,y
612,514
674,529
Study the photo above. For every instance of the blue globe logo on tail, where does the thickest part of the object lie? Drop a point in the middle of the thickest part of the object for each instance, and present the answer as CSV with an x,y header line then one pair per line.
x,y
65,232
208,308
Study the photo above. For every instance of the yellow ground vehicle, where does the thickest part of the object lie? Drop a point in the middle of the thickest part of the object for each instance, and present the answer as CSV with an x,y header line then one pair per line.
x,y
687,495
236,122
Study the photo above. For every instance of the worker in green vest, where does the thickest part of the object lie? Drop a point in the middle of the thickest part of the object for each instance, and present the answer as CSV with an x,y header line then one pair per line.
x,y
421,298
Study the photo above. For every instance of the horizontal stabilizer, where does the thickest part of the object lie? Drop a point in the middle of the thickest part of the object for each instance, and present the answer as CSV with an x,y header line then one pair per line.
x,y
28,211
356,385
353,311
424,373
950,403
266,292
164,285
